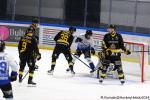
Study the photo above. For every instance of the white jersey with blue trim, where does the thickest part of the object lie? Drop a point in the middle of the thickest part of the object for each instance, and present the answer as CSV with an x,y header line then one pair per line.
x,y
85,43
6,61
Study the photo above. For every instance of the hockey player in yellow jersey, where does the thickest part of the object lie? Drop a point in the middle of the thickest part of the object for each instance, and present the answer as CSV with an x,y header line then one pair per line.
x,y
112,45
63,40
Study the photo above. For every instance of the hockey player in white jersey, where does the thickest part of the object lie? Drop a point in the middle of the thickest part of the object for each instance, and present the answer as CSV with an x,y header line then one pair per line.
x,y
5,79
85,46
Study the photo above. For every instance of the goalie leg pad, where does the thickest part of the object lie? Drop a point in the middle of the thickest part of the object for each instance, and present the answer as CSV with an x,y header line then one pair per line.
x,y
120,72
104,71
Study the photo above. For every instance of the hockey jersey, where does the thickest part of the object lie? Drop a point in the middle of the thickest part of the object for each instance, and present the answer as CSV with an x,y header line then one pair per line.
x,y
6,61
85,44
113,42
35,31
64,38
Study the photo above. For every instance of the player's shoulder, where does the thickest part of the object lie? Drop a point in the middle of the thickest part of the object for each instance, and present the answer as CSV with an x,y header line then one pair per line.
x,y
5,55
31,27
81,36
62,31
107,34
118,34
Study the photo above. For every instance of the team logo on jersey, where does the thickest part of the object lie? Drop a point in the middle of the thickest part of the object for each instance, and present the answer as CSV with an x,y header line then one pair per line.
x,y
112,46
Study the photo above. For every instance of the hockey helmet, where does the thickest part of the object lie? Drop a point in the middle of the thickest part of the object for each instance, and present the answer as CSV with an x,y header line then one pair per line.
x,y
89,32
72,29
111,26
35,20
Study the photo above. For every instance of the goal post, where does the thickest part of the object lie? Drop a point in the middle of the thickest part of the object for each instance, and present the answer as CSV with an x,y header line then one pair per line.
x,y
137,55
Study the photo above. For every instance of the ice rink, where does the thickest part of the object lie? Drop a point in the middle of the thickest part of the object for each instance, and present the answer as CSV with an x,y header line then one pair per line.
x,y
82,86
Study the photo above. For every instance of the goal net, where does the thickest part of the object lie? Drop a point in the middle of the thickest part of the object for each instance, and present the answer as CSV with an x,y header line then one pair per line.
x,y
134,64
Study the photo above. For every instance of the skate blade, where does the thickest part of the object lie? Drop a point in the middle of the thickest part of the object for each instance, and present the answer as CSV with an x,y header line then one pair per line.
x,y
72,75
31,85
68,71
49,73
122,83
100,82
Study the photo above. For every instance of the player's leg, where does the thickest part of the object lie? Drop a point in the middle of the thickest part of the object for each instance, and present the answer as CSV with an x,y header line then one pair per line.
x,y
35,58
76,55
69,58
87,55
118,66
103,72
99,66
105,64
55,55
31,64
22,66
7,91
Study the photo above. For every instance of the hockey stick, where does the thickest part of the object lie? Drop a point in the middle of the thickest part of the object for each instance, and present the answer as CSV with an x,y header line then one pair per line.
x,y
25,75
80,60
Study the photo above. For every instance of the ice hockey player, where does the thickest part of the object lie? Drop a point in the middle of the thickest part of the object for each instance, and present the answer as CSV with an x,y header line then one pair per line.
x,y
112,45
102,62
63,40
7,61
27,48
85,47
33,27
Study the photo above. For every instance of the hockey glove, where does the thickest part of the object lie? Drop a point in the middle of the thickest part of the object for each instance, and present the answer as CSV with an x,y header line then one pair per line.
x,y
38,57
13,76
78,40
108,52
127,52
101,55
93,51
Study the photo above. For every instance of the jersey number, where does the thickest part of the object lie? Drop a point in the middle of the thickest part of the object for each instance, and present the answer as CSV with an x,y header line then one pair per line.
x,y
24,46
64,37
3,67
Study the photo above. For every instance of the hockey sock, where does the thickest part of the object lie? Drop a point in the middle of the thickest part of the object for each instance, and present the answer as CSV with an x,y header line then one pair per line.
x,y
121,76
53,65
103,74
92,66
21,73
71,67
30,77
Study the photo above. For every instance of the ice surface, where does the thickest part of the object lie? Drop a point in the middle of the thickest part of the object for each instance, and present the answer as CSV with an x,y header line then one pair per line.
x,y
63,86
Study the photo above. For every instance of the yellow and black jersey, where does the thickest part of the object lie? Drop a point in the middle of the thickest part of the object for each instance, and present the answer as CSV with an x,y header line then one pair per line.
x,y
64,37
114,42
28,45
